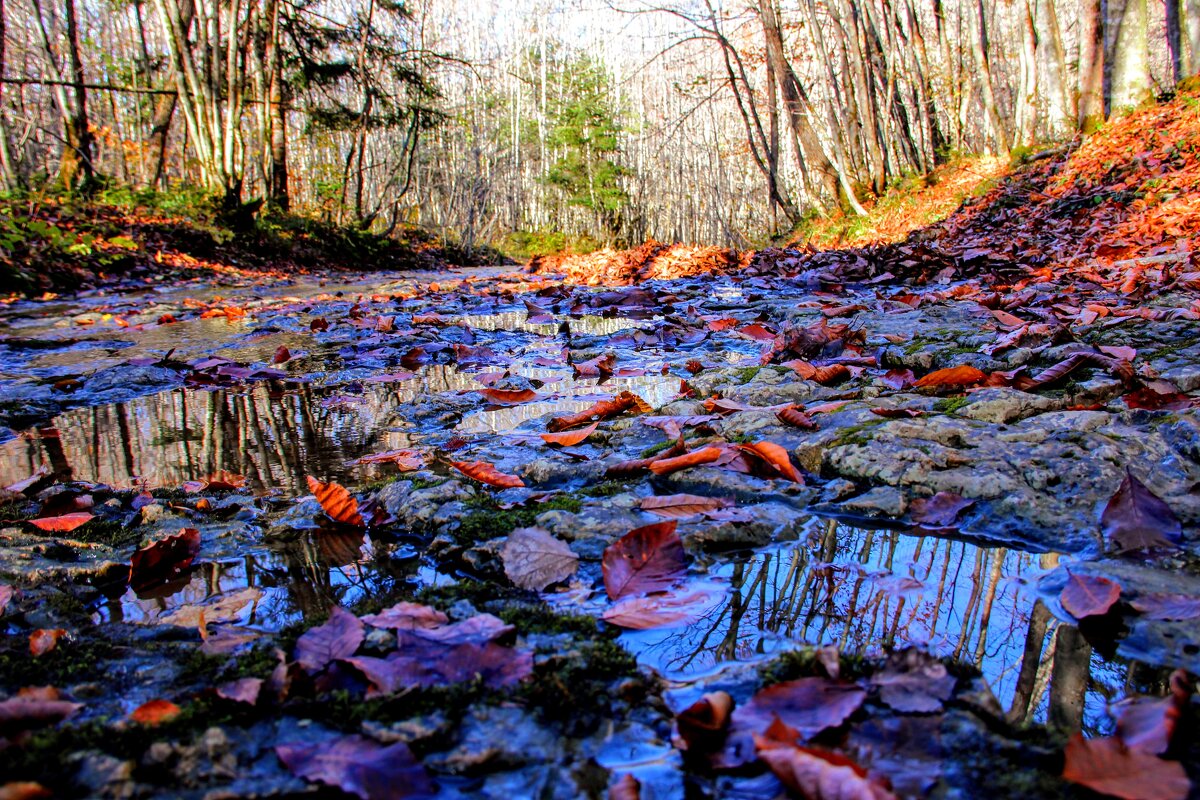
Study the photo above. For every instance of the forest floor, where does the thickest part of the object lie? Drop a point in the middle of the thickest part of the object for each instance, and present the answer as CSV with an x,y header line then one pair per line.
x,y
898,520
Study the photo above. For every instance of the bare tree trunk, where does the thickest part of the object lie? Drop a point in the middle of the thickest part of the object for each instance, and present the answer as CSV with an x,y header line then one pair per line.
x,y
7,174
1177,44
1069,679
979,52
1027,81
164,112
1062,101
1091,66
1130,81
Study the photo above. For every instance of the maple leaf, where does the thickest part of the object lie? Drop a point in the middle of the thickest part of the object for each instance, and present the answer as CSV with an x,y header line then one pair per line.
x,y
1089,595
1108,766
533,559
646,559
337,502
337,638
359,766
485,472
1137,519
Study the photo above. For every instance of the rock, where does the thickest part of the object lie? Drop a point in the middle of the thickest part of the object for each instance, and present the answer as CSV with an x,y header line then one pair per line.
x,y
881,501
497,738
1003,405
417,508
410,731
554,473
769,522
295,521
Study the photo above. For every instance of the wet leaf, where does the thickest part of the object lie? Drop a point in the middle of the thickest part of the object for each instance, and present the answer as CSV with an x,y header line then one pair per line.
x,y
243,690
647,559
795,416
596,367
164,560
897,413
6,595
570,438
24,790
1166,606
1137,519
952,377
940,511
810,705
222,480
282,355
221,608
775,457
359,766
1149,723
605,409
533,559
1106,765
679,506
421,663
659,610
407,616
834,373
509,397
899,378
404,460
479,629
817,774
1151,400
43,640
626,787
703,724
914,682
30,713
487,473
155,712
338,637
665,466
1089,595
337,502
63,524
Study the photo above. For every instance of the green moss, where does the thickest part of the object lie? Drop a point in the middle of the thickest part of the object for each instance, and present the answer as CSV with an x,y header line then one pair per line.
x,y
492,521
605,489
106,532
855,434
576,691
70,662
748,374
950,405
655,449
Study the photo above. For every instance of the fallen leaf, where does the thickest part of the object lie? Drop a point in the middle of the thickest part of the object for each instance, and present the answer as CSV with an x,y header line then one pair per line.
x,y
29,713
646,559
337,502
1089,595
533,559
659,610
155,712
508,397
596,367
665,466
952,377
164,560
338,637
359,766
940,511
703,724
1106,765
242,690
1167,606
679,506
404,460
282,355
1150,723
63,524
24,790
775,457
897,413
421,663
810,705
817,774
1137,519
487,473
834,373
570,438
794,415
407,616
605,409
914,682
6,595
44,640
223,480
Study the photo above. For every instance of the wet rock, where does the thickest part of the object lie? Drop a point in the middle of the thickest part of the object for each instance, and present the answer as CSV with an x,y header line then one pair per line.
x,y
881,501
416,508
1002,405
105,776
410,731
116,384
593,528
297,520
745,489
555,473
497,738
769,522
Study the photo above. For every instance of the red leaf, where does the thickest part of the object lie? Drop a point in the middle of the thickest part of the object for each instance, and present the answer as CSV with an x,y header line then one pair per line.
x,y
665,466
1089,595
1149,723
679,506
897,413
647,559
1107,766
703,724
659,610
43,640
63,524
899,378
155,712
359,766
570,438
834,373
1137,519
605,409
1151,400
952,377
24,790
282,355
509,397
164,560
794,415
818,774
336,502
487,473
221,480
775,457
337,638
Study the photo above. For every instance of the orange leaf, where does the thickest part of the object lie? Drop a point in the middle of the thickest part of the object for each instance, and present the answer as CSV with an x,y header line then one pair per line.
x,y
834,373
43,640
155,712
678,506
24,790
605,409
1107,766
776,456
63,524
962,375
337,502
665,466
702,725
794,415
509,397
487,473
570,438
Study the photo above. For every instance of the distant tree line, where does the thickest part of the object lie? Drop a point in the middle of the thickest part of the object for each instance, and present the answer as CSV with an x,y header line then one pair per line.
x,y
681,119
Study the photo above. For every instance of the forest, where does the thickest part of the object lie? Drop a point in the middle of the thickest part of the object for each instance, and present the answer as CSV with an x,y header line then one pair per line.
x,y
615,399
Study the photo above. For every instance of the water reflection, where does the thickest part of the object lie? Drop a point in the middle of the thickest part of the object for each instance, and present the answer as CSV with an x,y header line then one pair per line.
x,y
869,591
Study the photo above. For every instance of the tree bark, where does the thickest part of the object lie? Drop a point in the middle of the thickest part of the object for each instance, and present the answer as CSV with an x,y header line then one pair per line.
x,y
1091,66
1130,82
979,52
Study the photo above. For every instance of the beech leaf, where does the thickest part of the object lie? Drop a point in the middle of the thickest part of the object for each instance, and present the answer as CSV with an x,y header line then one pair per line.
x,y
487,473
1137,519
1108,766
646,559
679,506
338,637
359,766
337,502
1089,595
533,559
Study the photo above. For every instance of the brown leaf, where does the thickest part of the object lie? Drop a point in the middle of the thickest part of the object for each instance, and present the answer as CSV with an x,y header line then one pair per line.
x,y
1089,595
775,457
703,724
1152,400
533,559
43,640
794,415
605,409
6,595
952,377
679,506
570,438
337,502
647,559
665,466
1167,606
625,788
282,355
509,397
29,713
487,473
818,774
421,663
940,511
596,367
1149,723
242,690
337,638
222,480
63,524
914,682
24,790
659,610
155,712
359,766
404,460
1106,765
407,616
1137,519
834,373
164,560
897,413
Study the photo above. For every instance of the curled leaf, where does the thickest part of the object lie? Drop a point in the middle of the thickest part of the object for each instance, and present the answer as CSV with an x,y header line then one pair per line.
x,y
570,438
952,378
337,502
487,473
